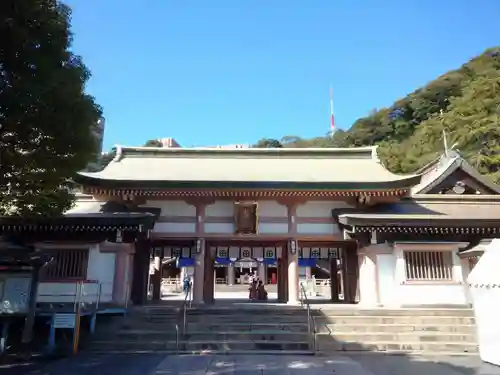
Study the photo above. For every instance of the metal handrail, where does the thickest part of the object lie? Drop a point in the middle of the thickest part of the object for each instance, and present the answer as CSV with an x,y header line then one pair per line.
x,y
311,329
187,304
177,338
80,294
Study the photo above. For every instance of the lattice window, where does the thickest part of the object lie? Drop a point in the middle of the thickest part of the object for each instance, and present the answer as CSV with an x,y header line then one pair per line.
x,y
428,265
67,264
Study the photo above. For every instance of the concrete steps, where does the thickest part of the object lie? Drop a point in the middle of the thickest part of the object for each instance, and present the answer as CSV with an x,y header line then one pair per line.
x,y
209,336
215,330
284,329
191,346
395,328
427,331
267,329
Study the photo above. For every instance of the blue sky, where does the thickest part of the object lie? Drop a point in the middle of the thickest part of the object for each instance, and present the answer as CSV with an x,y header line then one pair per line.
x,y
234,71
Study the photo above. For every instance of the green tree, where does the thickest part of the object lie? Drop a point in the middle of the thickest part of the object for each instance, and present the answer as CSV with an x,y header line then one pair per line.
x,y
268,143
153,143
47,120
409,132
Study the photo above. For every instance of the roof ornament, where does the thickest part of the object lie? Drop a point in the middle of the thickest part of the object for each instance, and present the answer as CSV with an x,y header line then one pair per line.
x,y
445,139
119,153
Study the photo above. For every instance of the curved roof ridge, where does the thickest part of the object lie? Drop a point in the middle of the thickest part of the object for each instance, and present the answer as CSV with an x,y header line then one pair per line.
x,y
367,152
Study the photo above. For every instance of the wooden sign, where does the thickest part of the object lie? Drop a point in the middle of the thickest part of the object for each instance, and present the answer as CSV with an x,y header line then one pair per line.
x,y
245,218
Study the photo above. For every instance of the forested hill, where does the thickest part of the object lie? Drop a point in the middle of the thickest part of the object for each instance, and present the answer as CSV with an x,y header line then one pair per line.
x,y
410,132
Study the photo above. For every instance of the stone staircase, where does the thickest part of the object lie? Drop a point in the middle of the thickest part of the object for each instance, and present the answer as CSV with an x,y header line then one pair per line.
x,y
266,329
245,329
281,329
449,331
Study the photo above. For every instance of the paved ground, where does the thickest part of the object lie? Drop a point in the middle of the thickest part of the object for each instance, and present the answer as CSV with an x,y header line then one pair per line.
x,y
157,364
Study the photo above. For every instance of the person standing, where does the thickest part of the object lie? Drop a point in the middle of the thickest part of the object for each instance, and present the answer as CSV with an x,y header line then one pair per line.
x,y
252,295
186,284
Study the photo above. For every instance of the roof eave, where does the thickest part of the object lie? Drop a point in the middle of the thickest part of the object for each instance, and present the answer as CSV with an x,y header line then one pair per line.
x,y
479,177
97,181
84,220
435,221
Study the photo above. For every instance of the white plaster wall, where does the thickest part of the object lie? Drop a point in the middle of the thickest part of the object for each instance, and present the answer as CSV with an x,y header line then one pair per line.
x,y
317,228
271,208
319,208
175,227
386,267
173,208
220,209
484,283
367,284
226,228
394,292
101,270
270,228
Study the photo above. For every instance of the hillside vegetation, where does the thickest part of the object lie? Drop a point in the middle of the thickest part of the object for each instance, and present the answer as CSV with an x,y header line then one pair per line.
x,y
463,102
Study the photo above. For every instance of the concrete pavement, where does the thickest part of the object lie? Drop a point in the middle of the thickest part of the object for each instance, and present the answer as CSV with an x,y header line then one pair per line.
x,y
356,364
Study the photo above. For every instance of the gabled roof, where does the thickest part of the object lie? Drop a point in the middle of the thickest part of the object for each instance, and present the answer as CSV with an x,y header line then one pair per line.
x,y
437,171
87,215
431,210
247,168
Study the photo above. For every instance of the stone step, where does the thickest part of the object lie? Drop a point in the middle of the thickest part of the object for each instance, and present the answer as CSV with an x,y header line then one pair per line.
x,y
409,320
394,328
450,348
247,320
423,337
234,326
231,326
190,346
207,336
244,318
299,327
416,312
249,310
205,352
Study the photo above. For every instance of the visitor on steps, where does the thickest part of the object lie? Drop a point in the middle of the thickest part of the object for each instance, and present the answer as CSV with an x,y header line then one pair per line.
x,y
261,292
186,284
252,295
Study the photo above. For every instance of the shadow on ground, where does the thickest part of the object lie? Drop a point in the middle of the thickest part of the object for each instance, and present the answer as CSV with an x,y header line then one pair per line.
x,y
338,364
355,362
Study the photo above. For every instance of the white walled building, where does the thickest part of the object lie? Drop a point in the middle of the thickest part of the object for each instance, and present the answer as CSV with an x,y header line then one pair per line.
x,y
388,240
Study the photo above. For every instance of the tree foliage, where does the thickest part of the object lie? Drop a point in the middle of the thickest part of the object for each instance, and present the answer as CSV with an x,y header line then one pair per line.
x,y
153,143
47,122
463,102
268,143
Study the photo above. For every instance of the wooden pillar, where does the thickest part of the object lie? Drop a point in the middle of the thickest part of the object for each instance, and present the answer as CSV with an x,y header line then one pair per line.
x,y
209,277
293,275
334,281
29,322
282,269
139,294
351,272
199,273
157,277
